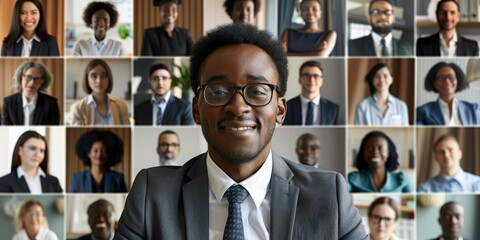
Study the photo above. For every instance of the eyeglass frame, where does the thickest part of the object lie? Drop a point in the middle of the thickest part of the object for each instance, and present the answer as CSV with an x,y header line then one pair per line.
x,y
30,78
376,12
378,219
242,92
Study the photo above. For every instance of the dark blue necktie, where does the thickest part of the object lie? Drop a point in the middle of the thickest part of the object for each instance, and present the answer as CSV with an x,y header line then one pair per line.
x,y
236,194
384,47
309,120
159,115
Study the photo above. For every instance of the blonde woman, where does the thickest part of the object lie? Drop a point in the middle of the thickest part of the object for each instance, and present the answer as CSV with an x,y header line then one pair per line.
x,y
31,222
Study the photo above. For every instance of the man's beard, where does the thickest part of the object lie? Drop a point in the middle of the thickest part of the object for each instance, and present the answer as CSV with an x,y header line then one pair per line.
x,y
382,30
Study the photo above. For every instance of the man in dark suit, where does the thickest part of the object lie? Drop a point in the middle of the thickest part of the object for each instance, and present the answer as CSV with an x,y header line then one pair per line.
x,y
451,219
168,148
101,220
163,108
309,108
447,42
381,41
239,177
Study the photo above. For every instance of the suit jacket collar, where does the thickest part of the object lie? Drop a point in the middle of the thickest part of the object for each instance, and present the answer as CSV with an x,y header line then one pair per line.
x,y
437,113
461,48
107,183
18,106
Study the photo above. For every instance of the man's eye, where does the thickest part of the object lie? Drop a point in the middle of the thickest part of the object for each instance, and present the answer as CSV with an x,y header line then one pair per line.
x,y
218,93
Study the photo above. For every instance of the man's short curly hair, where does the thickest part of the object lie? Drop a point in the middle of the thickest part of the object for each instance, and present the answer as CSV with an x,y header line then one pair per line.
x,y
228,5
392,161
232,34
92,7
112,143
432,75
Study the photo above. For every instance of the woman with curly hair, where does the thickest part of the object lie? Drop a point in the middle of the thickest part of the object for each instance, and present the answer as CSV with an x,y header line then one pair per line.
x,y
376,162
99,16
99,150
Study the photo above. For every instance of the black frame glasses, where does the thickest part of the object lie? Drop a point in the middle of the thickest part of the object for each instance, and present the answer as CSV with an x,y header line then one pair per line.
x,y
30,78
254,94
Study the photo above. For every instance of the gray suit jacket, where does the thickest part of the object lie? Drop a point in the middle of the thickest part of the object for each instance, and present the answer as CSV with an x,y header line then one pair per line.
x,y
306,203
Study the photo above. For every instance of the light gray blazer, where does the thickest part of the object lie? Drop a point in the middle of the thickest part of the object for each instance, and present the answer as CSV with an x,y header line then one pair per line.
x,y
306,203
82,113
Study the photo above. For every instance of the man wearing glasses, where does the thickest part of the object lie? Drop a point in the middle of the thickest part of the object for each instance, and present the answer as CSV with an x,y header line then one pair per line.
x,y
239,188
447,42
309,108
168,148
381,41
162,108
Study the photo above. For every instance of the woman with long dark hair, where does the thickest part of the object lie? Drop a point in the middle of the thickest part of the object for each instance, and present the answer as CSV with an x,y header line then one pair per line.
x,y
28,35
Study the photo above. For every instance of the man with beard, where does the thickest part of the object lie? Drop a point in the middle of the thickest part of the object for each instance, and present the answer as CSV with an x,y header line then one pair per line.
x,y
101,220
308,149
162,108
381,41
168,148
447,42
451,219
239,188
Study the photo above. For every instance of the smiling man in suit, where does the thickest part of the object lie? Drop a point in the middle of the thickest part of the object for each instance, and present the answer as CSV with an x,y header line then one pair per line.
x,y
239,188
162,108
309,108
447,42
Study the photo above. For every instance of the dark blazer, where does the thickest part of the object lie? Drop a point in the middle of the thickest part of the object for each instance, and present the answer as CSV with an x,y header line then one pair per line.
x,y
364,46
83,181
46,111
329,112
85,237
430,46
431,114
177,112
11,183
156,42
306,203
48,47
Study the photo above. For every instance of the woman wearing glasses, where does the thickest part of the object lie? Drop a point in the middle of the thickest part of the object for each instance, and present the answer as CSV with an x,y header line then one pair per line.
x,y
447,79
98,108
30,106
383,214
309,40
31,222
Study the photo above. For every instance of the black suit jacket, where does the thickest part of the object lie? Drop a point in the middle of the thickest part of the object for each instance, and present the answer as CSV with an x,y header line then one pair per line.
x,y
11,183
46,111
329,112
177,112
48,47
430,46
364,46
306,203
85,237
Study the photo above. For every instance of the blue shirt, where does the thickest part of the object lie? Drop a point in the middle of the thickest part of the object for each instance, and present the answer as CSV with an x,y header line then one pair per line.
x,y
368,113
99,118
162,104
460,182
362,182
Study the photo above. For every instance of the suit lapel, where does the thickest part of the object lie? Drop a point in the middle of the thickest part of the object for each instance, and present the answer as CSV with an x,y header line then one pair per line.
x,y
436,46
370,51
22,183
297,111
323,112
461,50
464,114
168,108
38,109
195,201
437,114
18,109
35,48
283,202
17,49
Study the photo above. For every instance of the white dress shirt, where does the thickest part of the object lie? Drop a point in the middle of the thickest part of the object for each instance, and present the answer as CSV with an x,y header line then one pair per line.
x,y
43,234
316,109
27,44
92,47
34,183
255,208
28,108
378,46
450,49
455,119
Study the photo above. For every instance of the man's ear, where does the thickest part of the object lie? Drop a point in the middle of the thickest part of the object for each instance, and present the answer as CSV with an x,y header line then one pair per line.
x,y
281,109
195,111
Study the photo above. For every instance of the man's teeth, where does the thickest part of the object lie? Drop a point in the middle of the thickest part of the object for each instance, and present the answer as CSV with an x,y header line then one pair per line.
x,y
238,128
101,225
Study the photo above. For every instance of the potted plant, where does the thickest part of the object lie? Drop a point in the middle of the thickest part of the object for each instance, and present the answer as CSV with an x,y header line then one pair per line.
x,y
181,80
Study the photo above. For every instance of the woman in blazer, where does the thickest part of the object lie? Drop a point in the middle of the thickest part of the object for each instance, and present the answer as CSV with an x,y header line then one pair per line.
x,y
376,162
99,150
28,34
29,171
32,78
446,79
98,108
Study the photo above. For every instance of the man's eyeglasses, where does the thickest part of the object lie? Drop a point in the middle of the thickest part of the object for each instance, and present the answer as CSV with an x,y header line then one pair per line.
x,y
30,78
255,94
377,12
378,219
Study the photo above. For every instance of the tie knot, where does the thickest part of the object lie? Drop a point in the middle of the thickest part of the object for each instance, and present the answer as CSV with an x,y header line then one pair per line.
x,y
311,104
236,194
382,41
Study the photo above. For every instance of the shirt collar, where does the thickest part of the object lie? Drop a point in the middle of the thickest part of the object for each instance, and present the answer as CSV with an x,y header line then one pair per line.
x,y
305,100
94,41
25,101
377,38
443,104
459,176
389,98
452,43
91,100
22,38
257,185
21,172
153,100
